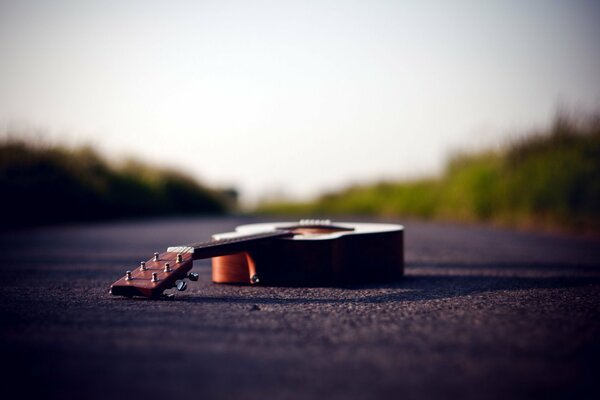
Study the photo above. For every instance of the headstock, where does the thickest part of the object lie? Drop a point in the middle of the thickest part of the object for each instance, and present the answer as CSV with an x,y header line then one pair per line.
x,y
152,277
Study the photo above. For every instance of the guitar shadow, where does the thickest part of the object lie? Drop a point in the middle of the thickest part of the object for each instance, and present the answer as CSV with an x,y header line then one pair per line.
x,y
423,282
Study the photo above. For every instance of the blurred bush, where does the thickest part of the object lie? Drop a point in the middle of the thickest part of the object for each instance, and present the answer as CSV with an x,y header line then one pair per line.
x,y
548,178
44,184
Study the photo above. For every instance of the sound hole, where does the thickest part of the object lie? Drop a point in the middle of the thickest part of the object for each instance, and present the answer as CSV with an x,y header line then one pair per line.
x,y
317,230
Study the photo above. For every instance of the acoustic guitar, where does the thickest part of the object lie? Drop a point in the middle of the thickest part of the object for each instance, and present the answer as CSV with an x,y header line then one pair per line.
x,y
307,253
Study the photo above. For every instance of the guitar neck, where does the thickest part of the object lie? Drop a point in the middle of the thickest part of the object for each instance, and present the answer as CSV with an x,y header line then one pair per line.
x,y
222,247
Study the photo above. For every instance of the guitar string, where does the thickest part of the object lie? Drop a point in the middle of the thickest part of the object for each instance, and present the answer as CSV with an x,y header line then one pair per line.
x,y
216,242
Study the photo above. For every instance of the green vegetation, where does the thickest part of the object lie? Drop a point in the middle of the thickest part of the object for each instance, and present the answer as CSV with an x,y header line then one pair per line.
x,y
50,184
546,179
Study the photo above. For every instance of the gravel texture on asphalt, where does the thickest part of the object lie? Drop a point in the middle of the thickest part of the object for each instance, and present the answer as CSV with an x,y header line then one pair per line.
x,y
482,313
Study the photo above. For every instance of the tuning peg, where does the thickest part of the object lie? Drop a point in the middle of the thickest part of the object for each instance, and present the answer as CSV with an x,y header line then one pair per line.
x,y
181,285
155,256
142,265
154,277
179,258
127,275
167,267
254,279
193,276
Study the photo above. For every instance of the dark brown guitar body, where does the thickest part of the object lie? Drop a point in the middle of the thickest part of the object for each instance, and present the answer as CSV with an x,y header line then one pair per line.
x,y
316,259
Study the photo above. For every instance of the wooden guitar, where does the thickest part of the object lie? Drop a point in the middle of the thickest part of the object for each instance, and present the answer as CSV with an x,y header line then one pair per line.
x,y
307,253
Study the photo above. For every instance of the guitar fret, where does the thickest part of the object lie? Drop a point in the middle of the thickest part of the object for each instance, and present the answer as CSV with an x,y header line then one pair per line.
x,y
214,243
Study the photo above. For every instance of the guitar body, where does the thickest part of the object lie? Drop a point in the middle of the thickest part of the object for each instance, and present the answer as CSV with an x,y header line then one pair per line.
x,y
362,254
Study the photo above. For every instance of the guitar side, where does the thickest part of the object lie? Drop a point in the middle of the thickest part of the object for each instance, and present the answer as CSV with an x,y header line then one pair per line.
x,y
344,259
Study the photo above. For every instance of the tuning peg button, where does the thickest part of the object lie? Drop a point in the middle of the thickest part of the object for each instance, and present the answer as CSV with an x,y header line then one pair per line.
x,y
181,285
193,276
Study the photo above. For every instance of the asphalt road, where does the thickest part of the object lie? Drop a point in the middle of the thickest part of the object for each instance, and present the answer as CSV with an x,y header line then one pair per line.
x,y
482,313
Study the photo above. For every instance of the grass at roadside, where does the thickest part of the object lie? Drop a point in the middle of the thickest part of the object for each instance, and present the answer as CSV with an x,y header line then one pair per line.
x,y
44,184
549,178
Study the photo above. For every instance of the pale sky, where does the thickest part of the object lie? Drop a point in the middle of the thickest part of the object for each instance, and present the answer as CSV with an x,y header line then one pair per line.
x,y
294,97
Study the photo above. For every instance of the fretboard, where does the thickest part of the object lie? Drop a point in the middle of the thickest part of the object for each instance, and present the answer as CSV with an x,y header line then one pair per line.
x,y
221,247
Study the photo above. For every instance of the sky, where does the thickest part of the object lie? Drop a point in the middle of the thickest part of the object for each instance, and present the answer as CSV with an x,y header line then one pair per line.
x,y
294,98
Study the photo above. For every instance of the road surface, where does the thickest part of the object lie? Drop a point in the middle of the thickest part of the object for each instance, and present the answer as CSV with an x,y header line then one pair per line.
x,y
482,313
